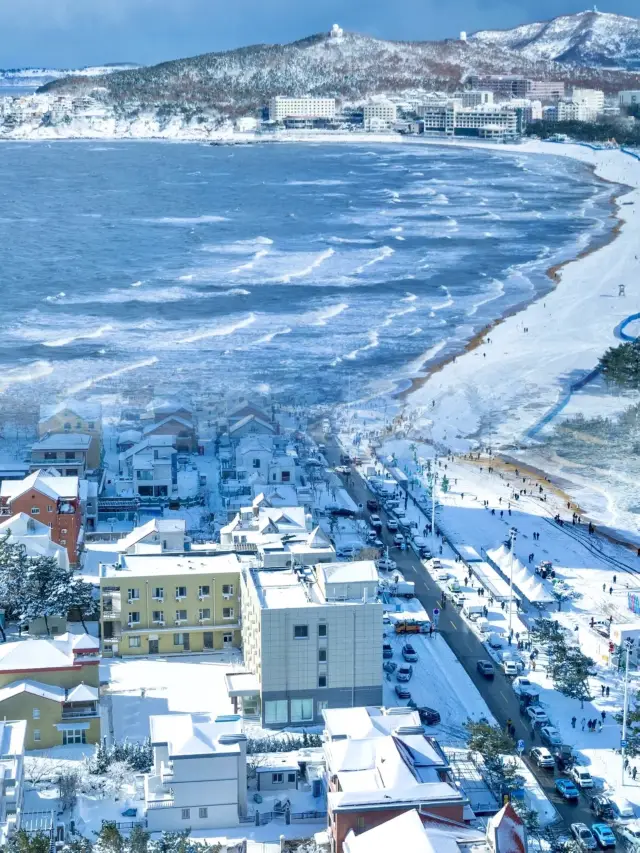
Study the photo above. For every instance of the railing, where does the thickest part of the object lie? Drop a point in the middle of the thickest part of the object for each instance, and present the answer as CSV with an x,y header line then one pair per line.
x,y
161,804
76,713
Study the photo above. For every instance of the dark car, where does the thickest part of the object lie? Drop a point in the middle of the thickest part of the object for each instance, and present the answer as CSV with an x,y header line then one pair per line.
x,y
373,505
387,651
402,692
343,512
601,807
428,716
486,668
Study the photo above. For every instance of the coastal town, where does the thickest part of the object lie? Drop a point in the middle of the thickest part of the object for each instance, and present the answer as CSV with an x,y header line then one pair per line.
x,y
350,634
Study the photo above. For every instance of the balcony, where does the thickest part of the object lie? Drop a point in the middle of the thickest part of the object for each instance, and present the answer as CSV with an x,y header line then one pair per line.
x,y
78,712
156,794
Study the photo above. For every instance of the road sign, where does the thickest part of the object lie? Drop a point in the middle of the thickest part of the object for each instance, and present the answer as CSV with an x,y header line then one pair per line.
x,y
623,744
436,616
520,746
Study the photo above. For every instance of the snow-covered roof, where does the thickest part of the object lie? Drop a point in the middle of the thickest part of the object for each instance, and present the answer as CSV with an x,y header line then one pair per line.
x,y
36,688
63,441
190,735
359,571
420,794
156,525
130,436
148,443
83,693
24,525
367,722
161,565
12,738
408,828
39,654
82,408
182,421
55,488
244,421
159,406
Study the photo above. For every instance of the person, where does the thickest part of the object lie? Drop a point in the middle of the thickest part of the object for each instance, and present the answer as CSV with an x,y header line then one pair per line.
x,y
533,664
615,578
626,764
573,722
604,587
599,726
583,722
508,724
607,692
603,714
610,590
602,685
634,773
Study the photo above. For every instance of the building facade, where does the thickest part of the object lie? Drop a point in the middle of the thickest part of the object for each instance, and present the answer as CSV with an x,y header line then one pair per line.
x,y
76,416
282,107
451,119
629,97
170,603
66,453
379,114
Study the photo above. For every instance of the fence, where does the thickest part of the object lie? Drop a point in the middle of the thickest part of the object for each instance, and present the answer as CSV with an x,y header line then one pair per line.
x,y
262,818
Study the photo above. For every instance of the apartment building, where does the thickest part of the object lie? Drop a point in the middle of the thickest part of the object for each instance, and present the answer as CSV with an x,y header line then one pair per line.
x,y
282,107
12,746
312,640
566,110
149,468
199,775
381,764
546,90
65,452
54,501
379,114
488,121
52,684
75,416
170,603
593,99
474,98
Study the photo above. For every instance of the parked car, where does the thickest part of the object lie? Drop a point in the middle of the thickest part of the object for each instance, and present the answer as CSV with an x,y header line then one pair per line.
x,y
347,551
583,836
386,565
372,535
443,575
537,715
428,716
604,835
437,565
409,653
522,685
541,756
392,525
630,834
342,511
389,666
581,776
404,673
454,586
387,651
398,540
550,736
510,669
486,668
373,505
601,807
343,469
374,521
565,788
402,692
622,809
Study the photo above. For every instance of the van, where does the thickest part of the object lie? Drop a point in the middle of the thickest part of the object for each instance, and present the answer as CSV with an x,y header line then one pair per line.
x,y
473,611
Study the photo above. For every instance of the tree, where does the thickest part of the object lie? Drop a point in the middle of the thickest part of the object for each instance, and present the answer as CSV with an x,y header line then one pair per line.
x,y
22,842
489,740
110,838
139,840
78,844
621,365
444,484
49,589
68,783
571,675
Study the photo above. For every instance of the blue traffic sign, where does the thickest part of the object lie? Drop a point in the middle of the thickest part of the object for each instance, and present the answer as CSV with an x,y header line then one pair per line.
x,y
520,746
623,744
436,611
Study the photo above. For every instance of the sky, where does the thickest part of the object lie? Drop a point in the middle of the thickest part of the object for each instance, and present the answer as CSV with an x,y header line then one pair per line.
x,y
73,33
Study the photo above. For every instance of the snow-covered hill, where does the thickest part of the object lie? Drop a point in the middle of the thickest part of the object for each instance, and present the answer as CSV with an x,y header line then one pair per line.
x,y
587,38
350,67
39,76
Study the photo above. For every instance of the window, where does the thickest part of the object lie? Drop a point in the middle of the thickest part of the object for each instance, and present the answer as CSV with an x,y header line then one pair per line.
x,y
322,655
186,814
301,710
134,617
291,777
178,639
181,592
50,455
36,713
286,476
276,711
158,593
67,425
277,778
135,642
133,594
204,613
256,463
181,615
360,823
36,734
157,616
35,510
322,705
204,591
227,589
91,425
69,455
49,508
227,612
322,630
70,472
300,632
322,681
203,813
63,541
73,736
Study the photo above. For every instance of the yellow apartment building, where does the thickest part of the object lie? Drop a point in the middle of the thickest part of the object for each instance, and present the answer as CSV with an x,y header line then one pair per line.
x,y
171,603
75,416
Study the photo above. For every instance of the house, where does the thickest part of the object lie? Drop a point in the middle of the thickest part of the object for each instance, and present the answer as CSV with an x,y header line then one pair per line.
x,y
252,523
53,684
75,416
166,534
288,550
64,452
380,763
12,745
199,775
149,468
250,425
182,430
54,501
244,409
127,439
35,537
158,410
419,834
170,603
300,647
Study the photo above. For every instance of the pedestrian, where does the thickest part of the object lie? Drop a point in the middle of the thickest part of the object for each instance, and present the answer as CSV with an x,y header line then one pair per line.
x,y
508,724
607,692
599,726
626,764
590,725
583,722
603,714
533,664
634,773
602,689
430,630
604,587
573,722
610,590
615,577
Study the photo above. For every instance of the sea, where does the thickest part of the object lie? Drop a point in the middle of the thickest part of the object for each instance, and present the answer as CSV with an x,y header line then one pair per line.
x,y
317,273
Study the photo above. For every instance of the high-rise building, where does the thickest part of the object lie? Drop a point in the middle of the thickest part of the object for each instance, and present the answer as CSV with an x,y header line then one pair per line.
x,y
282,107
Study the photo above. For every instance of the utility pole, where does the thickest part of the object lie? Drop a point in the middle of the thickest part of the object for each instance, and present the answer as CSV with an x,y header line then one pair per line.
x,y
623,743
512,535
434,478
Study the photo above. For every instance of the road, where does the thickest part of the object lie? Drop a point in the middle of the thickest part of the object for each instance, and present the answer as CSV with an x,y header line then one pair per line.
x,y
498,694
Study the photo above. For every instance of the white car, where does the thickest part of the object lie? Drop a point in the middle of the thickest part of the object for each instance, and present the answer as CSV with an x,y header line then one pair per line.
x,y
523,685
623,810
392,525
343,469
386,565
537,715
509,668
630,833
581,776
583,836
398,539
347,551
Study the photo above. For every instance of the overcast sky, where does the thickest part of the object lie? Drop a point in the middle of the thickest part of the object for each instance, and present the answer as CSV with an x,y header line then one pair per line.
x,y
71,33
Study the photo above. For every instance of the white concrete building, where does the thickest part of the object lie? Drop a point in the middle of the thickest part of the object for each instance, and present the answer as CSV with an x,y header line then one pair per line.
x,y
573,111
199,776
312,640
379,115
149,468
474,97
307,106
593,99
12,744
35,537
487,121
158,535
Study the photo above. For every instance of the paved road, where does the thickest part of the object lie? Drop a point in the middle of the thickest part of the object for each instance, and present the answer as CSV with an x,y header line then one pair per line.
x,y
498,694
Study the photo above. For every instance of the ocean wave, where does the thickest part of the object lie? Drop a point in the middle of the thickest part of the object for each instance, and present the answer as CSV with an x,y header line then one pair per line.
x,y
362,241
56,297
374,341
81,336
305,271
447,303
495,292
266,339
319,318
220,331
261,253
386,252
82,386
410,297
238,247
184,220
28,373
415,332
321,182
137,284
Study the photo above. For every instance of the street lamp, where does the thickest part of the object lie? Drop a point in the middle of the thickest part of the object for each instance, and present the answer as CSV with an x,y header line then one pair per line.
x,y
512,538
628,646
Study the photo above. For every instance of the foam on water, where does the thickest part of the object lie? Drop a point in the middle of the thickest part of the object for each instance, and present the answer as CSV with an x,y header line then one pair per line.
x,y
239,247
320,318
386,252
261,253
28,373
307,270
129,368
374,341
81,336
447,303
220,331
184,220
266,339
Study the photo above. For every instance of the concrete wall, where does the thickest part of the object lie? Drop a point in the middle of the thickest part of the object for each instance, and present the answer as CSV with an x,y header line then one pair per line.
x,y
71,677
166,645
171,820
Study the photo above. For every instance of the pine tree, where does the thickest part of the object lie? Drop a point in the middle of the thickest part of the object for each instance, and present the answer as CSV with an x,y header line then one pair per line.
x,y
444,485
571,675
110,839
23,842
138,840
49,589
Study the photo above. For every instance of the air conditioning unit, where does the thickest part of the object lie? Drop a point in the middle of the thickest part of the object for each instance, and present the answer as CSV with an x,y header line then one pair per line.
x,y
227,596
202,597
181,621
132,624
132,600
158,621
